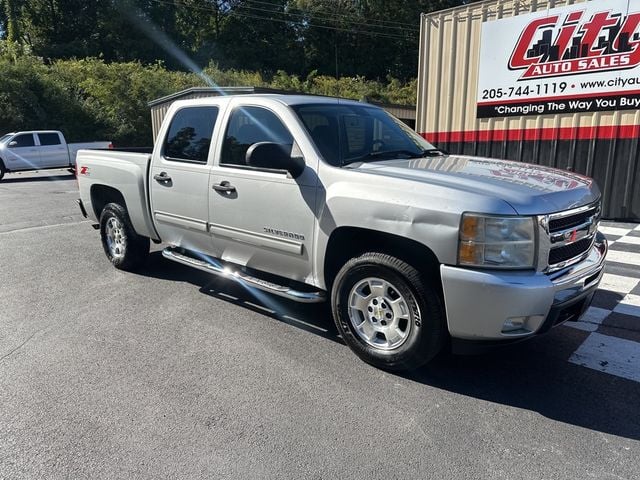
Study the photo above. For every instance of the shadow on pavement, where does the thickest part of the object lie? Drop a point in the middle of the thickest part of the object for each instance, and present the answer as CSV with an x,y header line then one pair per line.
x,y
314,318
534,375
537,376
38,178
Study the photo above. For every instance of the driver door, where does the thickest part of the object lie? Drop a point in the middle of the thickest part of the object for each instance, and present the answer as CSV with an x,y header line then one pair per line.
x,y
264,219
23,153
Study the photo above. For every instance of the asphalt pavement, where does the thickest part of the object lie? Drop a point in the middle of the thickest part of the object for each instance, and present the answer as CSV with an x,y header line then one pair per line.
x,y
170,373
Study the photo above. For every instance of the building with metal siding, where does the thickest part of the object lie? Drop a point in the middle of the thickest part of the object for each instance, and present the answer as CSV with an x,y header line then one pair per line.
x,y
603,145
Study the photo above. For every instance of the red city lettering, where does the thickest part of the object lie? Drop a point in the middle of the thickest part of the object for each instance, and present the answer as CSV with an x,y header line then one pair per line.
x,y
568,31
629,27
589,34
519,58
592,30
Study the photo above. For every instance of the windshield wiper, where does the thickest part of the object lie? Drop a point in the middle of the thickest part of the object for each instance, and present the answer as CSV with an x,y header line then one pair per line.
x,y
391,154
386,155
434,152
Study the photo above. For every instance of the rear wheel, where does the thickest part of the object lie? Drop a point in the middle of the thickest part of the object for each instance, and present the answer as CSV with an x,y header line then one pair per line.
x,y
124,248
386,313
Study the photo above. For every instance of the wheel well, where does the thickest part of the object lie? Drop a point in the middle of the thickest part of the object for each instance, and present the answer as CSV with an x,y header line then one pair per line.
x,y
349,242
101,195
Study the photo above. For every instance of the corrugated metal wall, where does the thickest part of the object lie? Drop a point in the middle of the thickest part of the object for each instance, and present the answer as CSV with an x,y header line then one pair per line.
x,y
603,145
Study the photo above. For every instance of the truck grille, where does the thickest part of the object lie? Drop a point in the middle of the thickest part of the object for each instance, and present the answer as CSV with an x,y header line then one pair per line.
x,y
571,235
562,254
557,224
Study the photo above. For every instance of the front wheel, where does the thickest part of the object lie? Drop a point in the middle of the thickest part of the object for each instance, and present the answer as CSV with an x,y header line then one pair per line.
x,y
386,313
3,170
124,248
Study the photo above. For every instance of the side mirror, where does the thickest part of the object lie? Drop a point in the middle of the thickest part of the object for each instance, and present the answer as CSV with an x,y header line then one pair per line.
x,y
13,143
274,156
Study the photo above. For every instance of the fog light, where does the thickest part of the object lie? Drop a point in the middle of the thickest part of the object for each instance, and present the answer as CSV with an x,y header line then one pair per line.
x,y
515,324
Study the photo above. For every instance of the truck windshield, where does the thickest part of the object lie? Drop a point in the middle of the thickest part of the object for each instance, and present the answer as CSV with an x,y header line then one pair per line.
x,y
6,137
350,133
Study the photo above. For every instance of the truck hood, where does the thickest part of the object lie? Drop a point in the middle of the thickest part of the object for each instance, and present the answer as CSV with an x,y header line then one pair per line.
x,y
529,189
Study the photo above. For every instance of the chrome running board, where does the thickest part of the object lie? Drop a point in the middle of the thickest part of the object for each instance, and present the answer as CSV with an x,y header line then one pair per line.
x,y
239,276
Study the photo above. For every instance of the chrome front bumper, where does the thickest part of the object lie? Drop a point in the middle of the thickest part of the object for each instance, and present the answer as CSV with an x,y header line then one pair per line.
x,y
491,305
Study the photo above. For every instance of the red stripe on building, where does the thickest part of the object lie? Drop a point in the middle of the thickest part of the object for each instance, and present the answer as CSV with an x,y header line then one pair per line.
x,y
532,134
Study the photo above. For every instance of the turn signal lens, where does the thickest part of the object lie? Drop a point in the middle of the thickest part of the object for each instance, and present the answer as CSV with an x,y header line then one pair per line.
x,y
470,253
470,228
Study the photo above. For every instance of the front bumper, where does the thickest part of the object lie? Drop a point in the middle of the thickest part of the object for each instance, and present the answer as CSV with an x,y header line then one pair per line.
x,y
483,305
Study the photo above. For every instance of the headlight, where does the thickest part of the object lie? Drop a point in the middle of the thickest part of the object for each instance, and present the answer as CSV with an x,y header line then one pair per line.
x,y
496,242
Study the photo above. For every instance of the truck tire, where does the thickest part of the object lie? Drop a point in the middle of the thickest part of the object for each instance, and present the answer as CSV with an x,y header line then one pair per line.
x,y
386,313
3,170
124,248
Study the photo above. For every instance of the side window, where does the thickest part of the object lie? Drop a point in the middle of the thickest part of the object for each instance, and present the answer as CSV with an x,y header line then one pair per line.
x,y
249,125
49,139
189,135
24,140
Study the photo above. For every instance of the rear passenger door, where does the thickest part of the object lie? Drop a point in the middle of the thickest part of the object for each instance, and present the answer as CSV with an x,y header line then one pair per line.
x,y
179,183
22,153
53,152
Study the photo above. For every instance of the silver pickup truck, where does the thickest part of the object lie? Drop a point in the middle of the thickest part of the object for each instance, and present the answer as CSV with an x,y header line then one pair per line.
x,y
316,199
37,150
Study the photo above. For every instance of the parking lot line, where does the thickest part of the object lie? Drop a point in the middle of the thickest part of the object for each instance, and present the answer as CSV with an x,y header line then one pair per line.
x,y
618,283
614,231
612,355
630,305
624,257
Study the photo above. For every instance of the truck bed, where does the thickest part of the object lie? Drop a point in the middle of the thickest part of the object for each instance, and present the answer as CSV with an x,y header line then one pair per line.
x,y
74,148
124,171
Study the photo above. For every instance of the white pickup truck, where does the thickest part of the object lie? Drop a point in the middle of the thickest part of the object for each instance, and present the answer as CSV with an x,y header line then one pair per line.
x,y
313,199
37,150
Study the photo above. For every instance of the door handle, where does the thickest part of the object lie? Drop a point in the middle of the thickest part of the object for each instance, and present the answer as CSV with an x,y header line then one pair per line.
x,y
225,187
162,177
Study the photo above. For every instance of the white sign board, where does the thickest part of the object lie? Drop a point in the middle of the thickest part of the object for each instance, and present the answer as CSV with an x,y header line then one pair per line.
x,y
580,58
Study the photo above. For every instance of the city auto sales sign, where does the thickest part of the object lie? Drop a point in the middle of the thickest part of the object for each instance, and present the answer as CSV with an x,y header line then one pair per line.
x,y
580,58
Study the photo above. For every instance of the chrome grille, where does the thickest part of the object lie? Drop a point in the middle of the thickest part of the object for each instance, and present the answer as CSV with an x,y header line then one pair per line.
x,y
562,223
562,254
569,236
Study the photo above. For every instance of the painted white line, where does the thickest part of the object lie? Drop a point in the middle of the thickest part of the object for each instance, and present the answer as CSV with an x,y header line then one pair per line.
x,y
41,227
638,227
612,355
624,257
628,239
591,319
614,231
618,283
297,320
630,305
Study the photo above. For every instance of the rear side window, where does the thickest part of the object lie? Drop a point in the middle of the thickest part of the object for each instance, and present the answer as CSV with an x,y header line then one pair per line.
x,y
49,139
24,140
189,136
249,125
